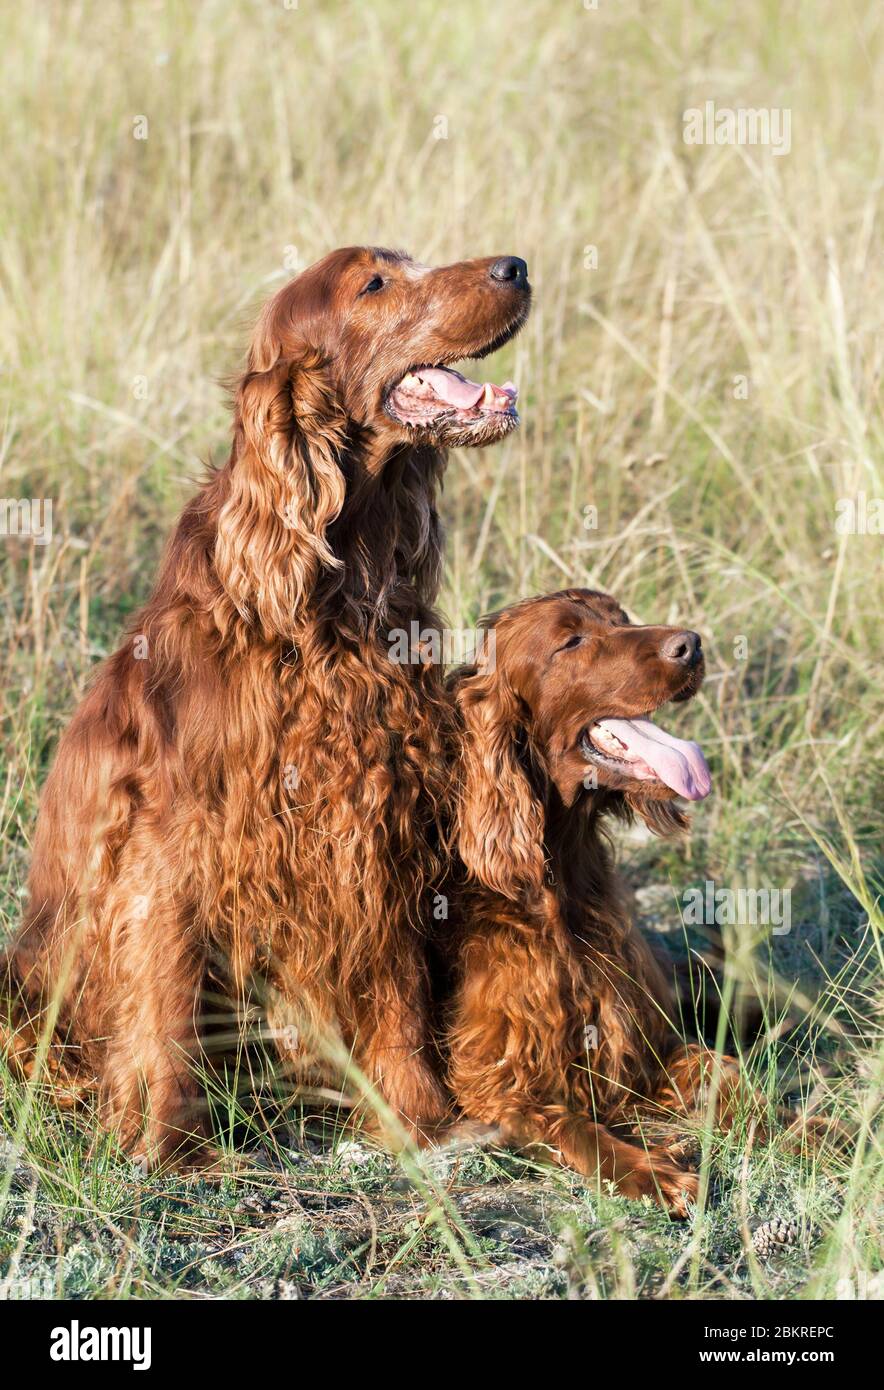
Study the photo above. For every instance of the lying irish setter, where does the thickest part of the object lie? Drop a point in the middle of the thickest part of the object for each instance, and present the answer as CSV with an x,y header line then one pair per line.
x,y
250,778
558,1029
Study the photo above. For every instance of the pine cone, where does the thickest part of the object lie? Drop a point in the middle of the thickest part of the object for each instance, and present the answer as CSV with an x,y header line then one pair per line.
x,y
772,1235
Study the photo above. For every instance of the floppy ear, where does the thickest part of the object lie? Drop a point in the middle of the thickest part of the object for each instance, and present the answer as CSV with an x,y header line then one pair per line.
x,y
285,487
499,818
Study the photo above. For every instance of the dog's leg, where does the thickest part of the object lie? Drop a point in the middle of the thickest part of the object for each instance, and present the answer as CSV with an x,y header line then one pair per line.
x,y
397,1058
694,1076
575,1141
515,1064
374,1047
151,986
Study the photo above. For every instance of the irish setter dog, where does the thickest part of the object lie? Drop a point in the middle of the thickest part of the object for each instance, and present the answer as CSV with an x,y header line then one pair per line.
x,y
558,1028
250,777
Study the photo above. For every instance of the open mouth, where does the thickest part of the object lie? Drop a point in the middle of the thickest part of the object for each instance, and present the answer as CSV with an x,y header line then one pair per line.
x,y
437,397
425,394
641,750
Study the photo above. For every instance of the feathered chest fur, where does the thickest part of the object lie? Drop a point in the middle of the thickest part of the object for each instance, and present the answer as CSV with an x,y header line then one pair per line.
x,y
323,790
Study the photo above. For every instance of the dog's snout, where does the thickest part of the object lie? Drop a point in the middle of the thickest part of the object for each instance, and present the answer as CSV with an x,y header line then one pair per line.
x,y
683,648
511,270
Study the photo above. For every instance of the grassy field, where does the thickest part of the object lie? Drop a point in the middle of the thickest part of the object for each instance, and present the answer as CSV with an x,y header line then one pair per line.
x,y
700,382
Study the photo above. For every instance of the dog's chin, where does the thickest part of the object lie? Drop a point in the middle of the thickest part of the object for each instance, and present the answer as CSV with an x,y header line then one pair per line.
x,y
657,807
661,814
439,405
455,430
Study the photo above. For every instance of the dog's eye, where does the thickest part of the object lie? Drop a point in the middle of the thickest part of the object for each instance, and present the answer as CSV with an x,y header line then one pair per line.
x,y
375,283
572,642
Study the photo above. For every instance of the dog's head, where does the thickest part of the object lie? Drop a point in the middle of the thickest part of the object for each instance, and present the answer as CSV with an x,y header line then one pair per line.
x,y
351,367
388,332
560,707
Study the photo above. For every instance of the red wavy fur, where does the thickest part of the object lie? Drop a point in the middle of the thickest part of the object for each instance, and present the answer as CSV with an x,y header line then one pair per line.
x,y
558,1030
250,777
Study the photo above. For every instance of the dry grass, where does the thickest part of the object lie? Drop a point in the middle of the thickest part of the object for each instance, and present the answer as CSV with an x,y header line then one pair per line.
x,y
129,271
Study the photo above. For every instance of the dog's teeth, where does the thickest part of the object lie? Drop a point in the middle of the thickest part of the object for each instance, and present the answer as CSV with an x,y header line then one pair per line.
x,y
410,379
488,394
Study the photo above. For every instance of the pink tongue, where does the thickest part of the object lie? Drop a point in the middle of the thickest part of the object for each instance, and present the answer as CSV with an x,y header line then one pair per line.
x,y
452,387
677,762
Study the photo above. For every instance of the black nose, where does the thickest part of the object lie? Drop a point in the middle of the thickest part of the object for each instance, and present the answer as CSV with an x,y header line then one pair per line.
x,y
684,648
512,270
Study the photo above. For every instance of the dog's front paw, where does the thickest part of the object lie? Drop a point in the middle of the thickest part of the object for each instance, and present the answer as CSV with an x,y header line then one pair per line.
x,y
663,1181
679,1189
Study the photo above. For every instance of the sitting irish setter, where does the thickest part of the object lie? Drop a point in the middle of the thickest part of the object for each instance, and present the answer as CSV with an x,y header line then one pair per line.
x,y
558,1029
250,778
